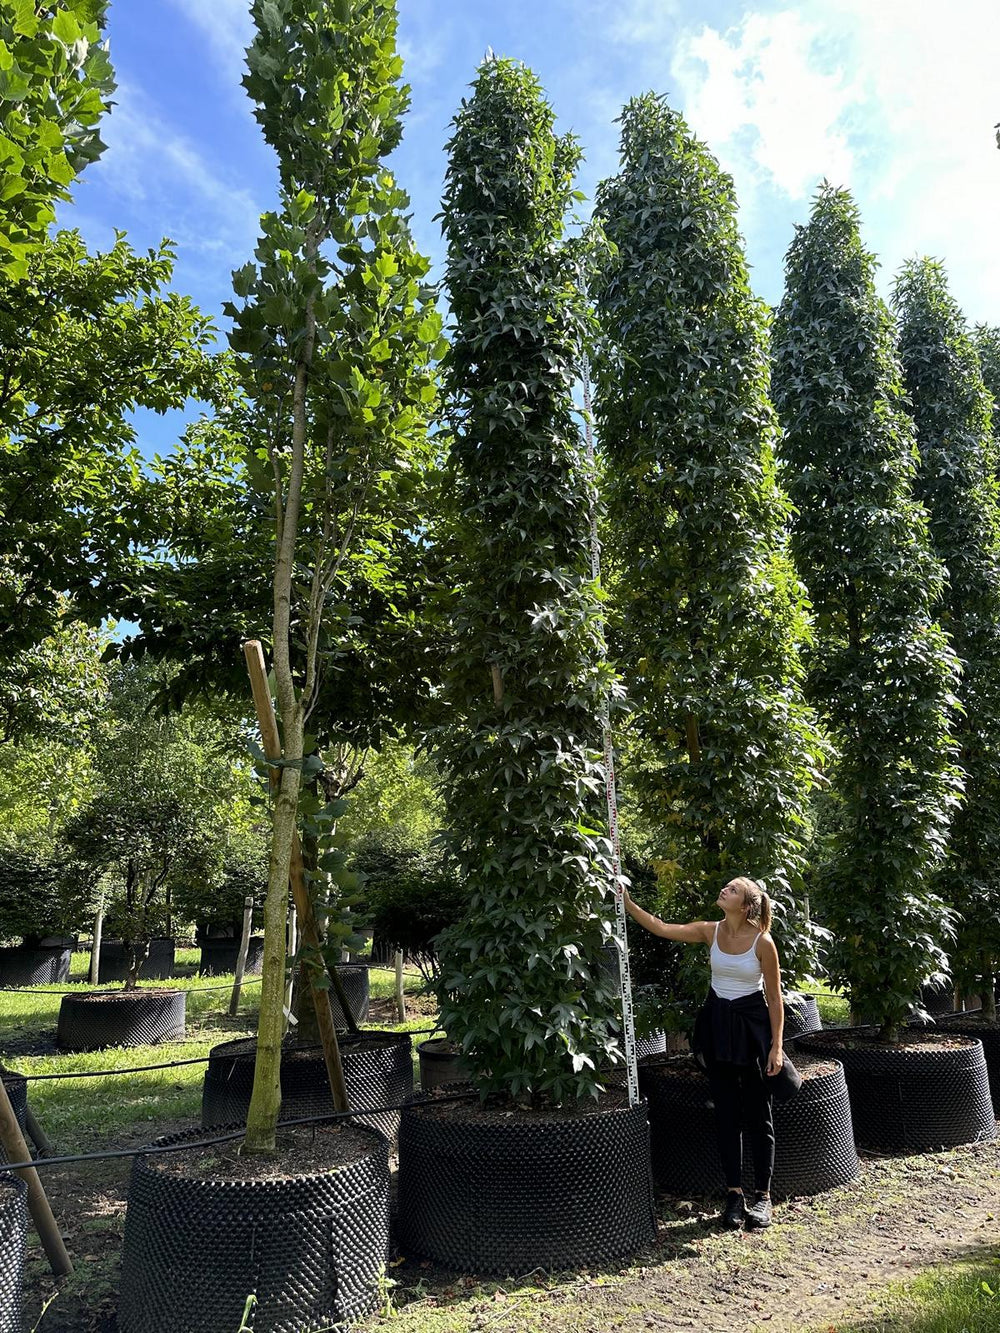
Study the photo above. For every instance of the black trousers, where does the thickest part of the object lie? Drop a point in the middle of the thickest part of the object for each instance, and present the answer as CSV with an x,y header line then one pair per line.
x,y
742,1102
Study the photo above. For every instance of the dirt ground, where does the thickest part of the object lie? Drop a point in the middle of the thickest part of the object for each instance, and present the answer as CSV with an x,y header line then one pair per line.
x,y
816,1270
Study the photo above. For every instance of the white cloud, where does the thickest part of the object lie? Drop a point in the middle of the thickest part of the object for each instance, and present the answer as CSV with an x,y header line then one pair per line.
x,y
162,176
896,100
227,27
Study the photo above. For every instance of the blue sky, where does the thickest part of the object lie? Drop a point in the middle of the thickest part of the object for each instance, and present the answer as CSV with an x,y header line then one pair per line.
x,y
894,98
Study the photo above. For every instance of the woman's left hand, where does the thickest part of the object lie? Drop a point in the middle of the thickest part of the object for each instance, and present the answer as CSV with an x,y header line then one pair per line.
x,y
775,1060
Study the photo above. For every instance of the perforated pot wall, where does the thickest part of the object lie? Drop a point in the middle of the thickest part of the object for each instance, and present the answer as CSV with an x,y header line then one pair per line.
x,y
157,966
378,1071
911,1098
20,966
311,1247
801,1015
990,1037
218,957
17,1091
509,1196
814,1143
354,978
120,1018
13,1244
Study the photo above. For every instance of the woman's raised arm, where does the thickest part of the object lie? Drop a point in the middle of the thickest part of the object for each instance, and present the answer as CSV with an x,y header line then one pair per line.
x,y
692,932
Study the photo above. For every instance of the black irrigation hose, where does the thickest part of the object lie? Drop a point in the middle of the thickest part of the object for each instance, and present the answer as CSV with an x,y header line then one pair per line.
x,y
152,1150
169,1064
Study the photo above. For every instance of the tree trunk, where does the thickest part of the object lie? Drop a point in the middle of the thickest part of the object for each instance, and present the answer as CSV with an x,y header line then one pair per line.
x,y
265,1100
400,996
989,990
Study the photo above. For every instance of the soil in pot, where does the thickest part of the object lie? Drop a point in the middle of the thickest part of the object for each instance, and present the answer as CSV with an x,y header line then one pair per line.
x,y
814,1144
500,1189
929,1092
120,1018
306,1229
378,1071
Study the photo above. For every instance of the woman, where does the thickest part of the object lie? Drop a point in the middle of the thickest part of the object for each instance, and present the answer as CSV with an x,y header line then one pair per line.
x,y
738,1033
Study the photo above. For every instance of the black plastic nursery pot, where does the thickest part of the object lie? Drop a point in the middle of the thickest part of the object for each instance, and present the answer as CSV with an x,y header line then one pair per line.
x,y
21,965
120,1018
158,964
17,1092
932,1091
378,1071
440,1062
482,1191
354,978
219,957
989,1034
814,1142
13,1246
801,1015
310,1246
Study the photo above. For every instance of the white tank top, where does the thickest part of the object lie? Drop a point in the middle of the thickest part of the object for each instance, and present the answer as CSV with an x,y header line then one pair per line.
x,y
735,974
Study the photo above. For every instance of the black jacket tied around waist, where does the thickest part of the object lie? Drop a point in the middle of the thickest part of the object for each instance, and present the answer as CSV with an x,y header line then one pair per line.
x,y
734,1031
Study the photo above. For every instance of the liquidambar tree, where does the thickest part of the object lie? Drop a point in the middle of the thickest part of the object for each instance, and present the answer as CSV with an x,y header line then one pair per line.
x,y
882,670
520,988
708,611
334,342
957,483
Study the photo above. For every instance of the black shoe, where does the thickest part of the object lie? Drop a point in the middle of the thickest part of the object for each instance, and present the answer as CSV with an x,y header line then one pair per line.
x,y
758,1214
734,1211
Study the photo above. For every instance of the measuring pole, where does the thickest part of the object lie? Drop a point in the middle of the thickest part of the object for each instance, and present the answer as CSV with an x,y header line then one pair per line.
x,y
620,936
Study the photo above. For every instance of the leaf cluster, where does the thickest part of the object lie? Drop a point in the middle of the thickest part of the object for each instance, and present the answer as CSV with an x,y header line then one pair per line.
x,y
84,340
56,82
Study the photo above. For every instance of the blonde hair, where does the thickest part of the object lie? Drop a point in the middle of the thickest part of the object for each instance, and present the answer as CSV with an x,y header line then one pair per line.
x,y
756,902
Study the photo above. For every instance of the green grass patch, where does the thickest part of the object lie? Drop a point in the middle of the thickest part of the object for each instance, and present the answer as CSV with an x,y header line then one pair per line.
x,y
962,1298
81,1114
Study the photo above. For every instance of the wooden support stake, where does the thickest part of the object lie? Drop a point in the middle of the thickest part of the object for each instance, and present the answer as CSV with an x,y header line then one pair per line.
x,y
254,655
400,996
95,947
241,957
38,1135
38,1205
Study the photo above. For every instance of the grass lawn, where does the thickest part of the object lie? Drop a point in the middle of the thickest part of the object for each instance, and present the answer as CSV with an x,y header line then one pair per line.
x,y
87,1113
963,1298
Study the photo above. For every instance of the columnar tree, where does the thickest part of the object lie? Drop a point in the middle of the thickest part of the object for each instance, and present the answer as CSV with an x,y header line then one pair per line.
x,y
957,483
881,671
523,786
333,340
708,611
